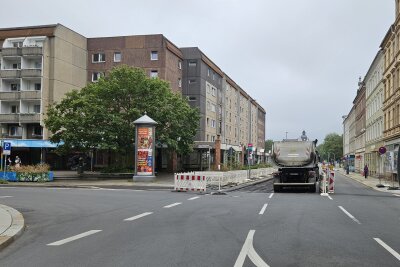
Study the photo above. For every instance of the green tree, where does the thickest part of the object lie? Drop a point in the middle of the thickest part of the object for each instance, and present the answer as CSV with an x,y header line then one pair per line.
x,y
332,148
101,115
268,145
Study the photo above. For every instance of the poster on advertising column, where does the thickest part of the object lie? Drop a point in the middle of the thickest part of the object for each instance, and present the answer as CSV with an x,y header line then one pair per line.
x,y
145,151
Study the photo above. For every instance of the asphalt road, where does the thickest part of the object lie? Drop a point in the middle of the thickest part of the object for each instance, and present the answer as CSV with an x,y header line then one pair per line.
x,y
248,227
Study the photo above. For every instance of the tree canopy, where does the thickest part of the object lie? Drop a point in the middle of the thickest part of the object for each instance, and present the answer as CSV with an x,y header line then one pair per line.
x,y
268,145
332,147
101,115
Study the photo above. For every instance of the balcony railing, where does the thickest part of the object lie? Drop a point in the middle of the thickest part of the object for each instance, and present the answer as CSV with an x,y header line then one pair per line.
x,y
31,73
9,118
32,51
10,73
11,51
9,95
30,94
29,117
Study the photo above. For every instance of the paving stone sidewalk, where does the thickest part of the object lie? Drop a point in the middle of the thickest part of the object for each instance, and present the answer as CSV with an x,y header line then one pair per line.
x,y
371,181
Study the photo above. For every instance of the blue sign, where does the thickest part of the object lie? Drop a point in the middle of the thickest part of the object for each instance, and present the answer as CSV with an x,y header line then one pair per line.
x,y
6,148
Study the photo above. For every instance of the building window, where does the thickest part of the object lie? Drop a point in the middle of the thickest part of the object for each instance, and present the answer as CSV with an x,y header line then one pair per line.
x,y
192,98
117,56
213,123
213,138
38,65
208,72
179,64
99,57
15,131
208,122
38,86
17,44
96,76
154,74
36,109
179,82
192,81
14,87
154,55
192,63
212,107
37,131
213,92
16,66
14,109
213,76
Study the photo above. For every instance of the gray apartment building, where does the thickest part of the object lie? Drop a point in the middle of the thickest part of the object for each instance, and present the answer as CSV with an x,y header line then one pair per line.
x,y
39,65
227,112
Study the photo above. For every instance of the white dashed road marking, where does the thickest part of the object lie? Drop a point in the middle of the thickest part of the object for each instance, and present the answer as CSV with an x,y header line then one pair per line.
x,y
272,194
330,197
396,195
248,250
193,198
348,214
172,205
73,238
263,209
5,196
138,216
391,251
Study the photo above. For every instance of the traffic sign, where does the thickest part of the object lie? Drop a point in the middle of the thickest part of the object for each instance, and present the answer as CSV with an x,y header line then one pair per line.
x,y
6,148
249,145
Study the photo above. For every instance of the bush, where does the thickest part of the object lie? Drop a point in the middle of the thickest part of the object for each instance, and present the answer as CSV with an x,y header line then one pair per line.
x,y
39,168
116,169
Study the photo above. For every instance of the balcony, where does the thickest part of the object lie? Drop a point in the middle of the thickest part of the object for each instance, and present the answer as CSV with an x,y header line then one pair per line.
x,y
32,51
29,117
10,73
11,51
9,95
31,73
30,94
9,118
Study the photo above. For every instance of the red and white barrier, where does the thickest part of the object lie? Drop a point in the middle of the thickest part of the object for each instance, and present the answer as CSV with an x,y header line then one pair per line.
x,y
331,182
190,182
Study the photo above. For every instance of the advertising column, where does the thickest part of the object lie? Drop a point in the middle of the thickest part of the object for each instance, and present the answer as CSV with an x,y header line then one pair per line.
x,y
144,149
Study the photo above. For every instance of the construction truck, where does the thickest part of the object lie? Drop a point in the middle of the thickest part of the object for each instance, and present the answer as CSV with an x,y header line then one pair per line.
x,y
297,163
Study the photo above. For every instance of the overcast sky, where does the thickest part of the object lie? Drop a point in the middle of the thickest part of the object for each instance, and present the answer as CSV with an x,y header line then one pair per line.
x,y
300,59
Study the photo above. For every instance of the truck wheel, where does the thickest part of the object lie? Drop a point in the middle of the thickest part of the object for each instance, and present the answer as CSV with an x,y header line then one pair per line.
x,y
277,188
312,188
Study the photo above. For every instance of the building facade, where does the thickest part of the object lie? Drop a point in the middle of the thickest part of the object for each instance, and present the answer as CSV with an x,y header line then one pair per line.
x,y
359,109
374,116
391,82
349,127
154,53
39,65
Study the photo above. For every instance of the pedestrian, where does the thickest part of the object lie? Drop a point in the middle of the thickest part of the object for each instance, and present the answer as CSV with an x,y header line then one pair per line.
x,y
17,162
9,163
366,171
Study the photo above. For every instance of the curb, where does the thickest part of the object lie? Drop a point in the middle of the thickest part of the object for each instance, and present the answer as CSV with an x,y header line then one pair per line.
x,y
16,228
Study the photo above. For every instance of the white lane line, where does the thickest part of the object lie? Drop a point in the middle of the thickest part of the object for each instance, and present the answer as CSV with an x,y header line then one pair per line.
x,y
330,197
391,251
73,238
396,195
348,214
172,205
193,198
138,216
272,194
5,196
249,250
263,209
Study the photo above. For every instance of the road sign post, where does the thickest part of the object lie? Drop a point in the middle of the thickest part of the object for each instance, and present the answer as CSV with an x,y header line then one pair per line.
x,y
6,152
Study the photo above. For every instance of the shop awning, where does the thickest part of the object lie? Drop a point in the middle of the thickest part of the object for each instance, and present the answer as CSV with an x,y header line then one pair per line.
x,y
32,143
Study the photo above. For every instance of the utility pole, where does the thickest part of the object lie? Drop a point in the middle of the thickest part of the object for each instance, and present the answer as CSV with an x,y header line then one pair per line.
x,y
286,134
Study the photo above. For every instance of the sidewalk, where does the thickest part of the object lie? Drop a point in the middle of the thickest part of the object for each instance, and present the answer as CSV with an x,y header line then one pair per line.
x,y
371,181
92,180
11,225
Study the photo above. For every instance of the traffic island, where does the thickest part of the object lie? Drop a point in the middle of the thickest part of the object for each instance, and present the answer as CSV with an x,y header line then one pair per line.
x,y
12,224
